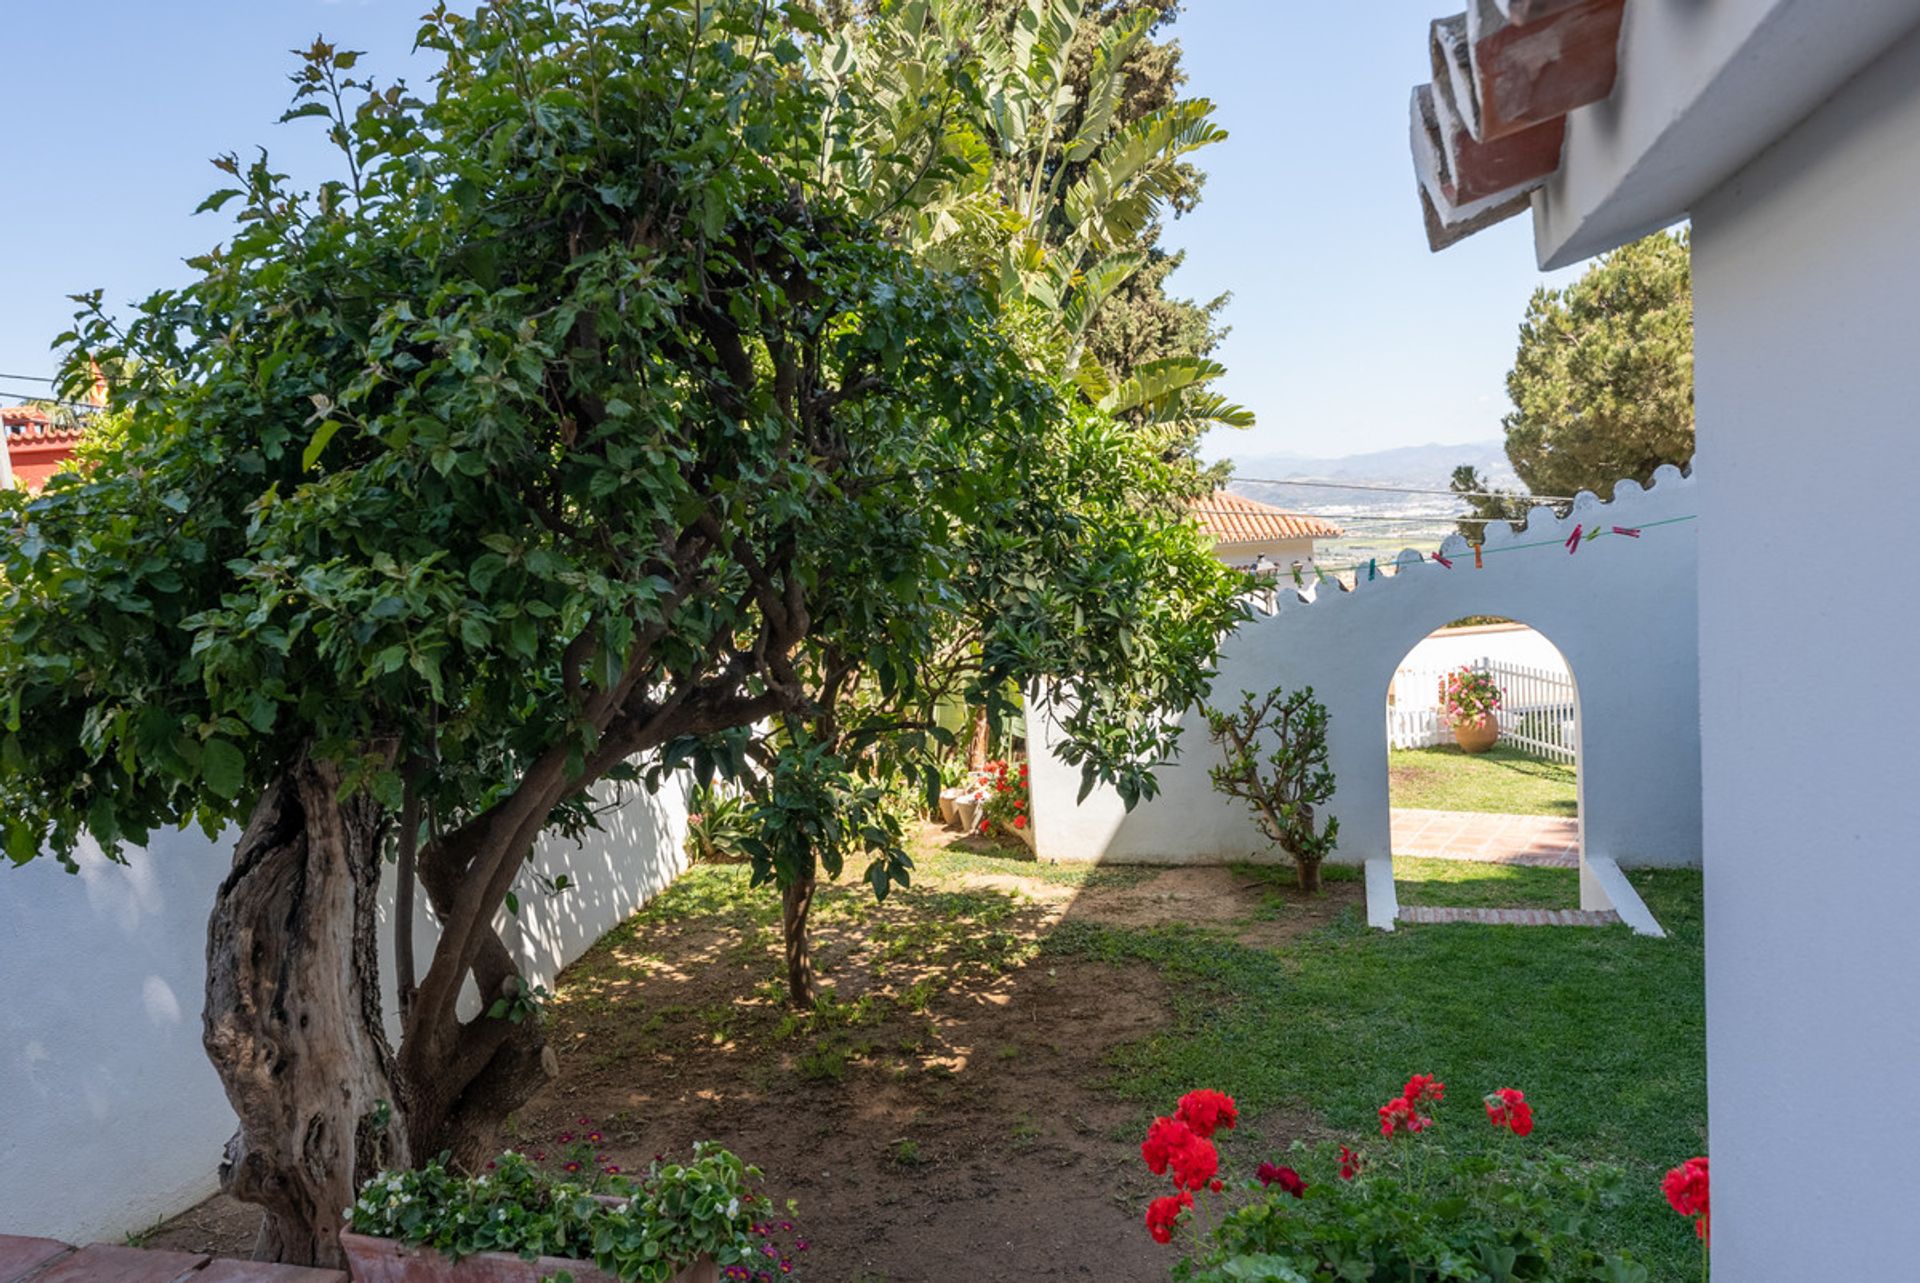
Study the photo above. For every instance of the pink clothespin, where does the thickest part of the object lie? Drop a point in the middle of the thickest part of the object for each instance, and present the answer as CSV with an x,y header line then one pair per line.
x,y
1631,532
1573,540
1443,561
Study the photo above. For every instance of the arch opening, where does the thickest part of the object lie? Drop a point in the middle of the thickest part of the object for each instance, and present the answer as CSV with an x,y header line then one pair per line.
x,y
1483,774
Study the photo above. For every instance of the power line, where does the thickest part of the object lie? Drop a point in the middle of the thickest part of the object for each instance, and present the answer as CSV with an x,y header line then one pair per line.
x,y
1457,494
27,378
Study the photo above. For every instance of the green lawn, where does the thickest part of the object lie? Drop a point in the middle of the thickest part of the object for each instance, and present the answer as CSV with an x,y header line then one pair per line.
x,y
1604,1031
1473,884
1500,780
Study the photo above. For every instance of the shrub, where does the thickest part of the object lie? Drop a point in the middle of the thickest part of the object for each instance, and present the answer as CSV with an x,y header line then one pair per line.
x,y
644,1230
1284,788
1403,1209
716,825
1006,803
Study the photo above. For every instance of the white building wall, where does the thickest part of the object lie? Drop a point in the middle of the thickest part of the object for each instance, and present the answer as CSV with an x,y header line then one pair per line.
x,y
1622,611
110,1116
1806,276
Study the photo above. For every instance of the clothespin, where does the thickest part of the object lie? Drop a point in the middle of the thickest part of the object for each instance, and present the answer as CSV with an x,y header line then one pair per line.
x,y
1573,540
1593,534
1319,575
1370,567
1477,563
1443,561
1298,582
1631,532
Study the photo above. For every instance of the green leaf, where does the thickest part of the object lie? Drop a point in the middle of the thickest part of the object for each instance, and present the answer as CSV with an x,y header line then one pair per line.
x,y
223,767
217,199
322,435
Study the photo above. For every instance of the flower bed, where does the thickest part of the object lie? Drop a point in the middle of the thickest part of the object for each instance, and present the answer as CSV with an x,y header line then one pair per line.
x,y
517,1222
1403,1208
1006,801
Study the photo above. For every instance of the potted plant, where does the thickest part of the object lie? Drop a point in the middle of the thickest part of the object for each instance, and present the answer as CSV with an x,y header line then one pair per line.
x,y
1006,801
515,1222
1470,701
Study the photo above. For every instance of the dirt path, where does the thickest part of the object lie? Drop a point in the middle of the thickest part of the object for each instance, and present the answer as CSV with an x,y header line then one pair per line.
x,y
942,1117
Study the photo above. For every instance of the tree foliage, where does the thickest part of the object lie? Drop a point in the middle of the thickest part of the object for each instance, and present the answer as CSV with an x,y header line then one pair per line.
x,y
1602,385
591,414
1050,142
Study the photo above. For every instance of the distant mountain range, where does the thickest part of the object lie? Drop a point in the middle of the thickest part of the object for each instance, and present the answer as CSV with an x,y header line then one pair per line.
x,y
1420,466
1378,522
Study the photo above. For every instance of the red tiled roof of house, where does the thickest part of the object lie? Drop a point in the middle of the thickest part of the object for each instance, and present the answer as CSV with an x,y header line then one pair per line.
x,y
39,442
1487,131
1233,518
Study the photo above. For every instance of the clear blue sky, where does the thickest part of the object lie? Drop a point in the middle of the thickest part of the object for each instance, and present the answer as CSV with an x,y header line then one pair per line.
x,y
1347,334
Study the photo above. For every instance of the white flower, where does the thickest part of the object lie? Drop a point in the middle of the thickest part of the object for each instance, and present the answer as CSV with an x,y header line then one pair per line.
x,y
733,1208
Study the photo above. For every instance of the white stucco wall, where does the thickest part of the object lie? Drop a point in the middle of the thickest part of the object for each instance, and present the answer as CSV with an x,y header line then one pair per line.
x,y
1622,611
1807,379
110,1116
1281,552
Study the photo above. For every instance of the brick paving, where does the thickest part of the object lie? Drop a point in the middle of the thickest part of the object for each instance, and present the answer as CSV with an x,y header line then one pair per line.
x,y
1420,913
45,1260
1542,841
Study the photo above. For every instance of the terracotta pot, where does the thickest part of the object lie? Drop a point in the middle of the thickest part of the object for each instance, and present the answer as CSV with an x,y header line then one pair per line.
x,y
1477,737
382,1260
949,809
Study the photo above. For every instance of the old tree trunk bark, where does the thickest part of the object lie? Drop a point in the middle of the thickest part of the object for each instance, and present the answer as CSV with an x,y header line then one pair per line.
x,y
292,1021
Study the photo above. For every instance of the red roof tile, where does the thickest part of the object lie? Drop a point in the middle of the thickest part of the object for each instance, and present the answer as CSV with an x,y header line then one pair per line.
x,y
38,441
1488,130
1233,518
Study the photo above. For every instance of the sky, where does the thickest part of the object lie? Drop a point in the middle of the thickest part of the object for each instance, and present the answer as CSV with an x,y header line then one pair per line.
x,y
1347,334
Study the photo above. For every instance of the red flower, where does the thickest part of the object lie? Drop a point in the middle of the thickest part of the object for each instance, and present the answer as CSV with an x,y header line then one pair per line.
x,y
1163,1214
1399,1114
1195,1164
1349,1163
1686,1189
1164,1136
1509,1109
1206,1109
1424,1087
1019,821
1285,1177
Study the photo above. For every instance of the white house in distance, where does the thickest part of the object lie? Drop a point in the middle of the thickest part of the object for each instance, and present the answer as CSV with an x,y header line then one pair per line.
x,y
1248,534
1789,132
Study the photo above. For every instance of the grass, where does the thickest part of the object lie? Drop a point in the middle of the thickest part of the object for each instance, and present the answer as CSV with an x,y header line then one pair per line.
x,y
1471,884
1604,1031
1501,780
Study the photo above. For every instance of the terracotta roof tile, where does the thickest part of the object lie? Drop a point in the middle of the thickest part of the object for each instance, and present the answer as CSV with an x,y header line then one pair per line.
x,y
1233,518
1488,130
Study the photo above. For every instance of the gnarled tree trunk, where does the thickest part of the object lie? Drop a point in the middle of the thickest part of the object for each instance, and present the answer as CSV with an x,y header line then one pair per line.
x,y
292,1020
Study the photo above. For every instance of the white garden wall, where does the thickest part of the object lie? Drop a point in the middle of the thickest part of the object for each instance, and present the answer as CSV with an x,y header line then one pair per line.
x,y
1621,611
110,1116
1806,271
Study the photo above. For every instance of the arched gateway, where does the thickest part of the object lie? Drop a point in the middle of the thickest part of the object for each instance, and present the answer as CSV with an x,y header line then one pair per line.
x,y
1620,603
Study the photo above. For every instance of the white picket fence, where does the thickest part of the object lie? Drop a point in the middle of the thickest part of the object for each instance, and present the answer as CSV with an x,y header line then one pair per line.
x,y
1538,713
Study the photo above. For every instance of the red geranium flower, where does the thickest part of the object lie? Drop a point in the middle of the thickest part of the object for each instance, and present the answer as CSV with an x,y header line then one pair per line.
x,y
1424,1087
1285,1177
1206,1109
1686,1190
1399,1114
1509,1109
1349,1163
1163,1214
1196,1164
1164,1136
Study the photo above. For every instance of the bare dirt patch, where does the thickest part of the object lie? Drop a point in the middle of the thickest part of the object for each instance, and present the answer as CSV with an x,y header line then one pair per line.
x,y
944,1114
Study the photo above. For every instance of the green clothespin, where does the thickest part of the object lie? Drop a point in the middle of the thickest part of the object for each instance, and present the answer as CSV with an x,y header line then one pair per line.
x,y
1371,571
1298,582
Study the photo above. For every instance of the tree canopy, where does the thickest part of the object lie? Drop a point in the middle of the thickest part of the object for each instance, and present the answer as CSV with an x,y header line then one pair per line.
x,y
593,411
1602,385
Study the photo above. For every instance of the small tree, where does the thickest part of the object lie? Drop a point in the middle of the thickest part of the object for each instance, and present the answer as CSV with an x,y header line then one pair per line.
x,y
1284,787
